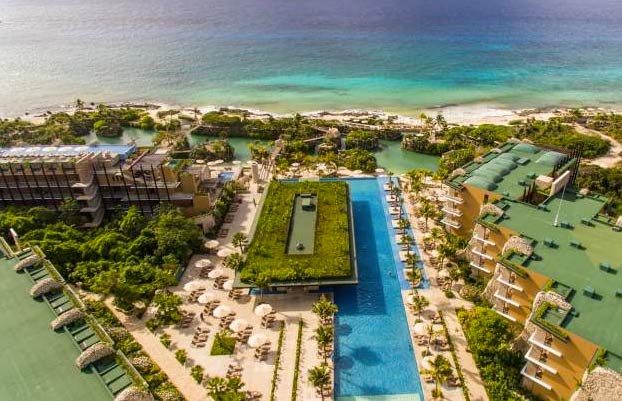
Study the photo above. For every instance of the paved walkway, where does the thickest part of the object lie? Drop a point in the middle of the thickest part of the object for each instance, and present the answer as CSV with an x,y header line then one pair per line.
x,y
164,358
439,302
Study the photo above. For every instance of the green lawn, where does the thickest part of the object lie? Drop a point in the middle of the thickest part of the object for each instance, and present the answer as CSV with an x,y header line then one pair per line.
x,y
267,254
37,363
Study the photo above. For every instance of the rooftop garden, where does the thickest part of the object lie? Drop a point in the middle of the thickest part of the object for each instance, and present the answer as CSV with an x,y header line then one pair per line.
x,y
267,259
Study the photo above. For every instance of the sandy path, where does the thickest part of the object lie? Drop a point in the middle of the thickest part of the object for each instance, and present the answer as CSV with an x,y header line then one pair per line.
x,y
613,157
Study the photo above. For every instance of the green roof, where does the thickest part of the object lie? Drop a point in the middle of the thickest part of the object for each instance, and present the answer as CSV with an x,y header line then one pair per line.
x,y
511,170
37,363
581,243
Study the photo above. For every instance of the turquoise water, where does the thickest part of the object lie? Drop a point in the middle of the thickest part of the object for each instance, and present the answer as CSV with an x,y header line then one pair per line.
x,y
392,157
284,56
374,354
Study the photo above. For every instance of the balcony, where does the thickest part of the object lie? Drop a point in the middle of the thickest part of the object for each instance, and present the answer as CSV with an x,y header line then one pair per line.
x,y
481,254
507,283
478,267
532,356
452,199
451,224
538,339
453,212
485,241
504,314
506,300
530,373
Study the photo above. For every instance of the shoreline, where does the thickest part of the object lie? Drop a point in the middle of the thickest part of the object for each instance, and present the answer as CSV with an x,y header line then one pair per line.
x,y
466,114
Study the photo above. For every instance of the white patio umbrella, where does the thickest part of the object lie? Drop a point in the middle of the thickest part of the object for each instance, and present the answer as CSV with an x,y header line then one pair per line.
x,y
219,161
379,170
257,340
203,263
263,309
223,253
211,244
238,325
193,285
419,329
295,164
216,273
236,162
426,363
357,172
206,298
228,285
221,311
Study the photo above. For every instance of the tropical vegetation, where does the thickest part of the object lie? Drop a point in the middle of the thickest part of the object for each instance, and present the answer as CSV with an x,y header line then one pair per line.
x,y
331,258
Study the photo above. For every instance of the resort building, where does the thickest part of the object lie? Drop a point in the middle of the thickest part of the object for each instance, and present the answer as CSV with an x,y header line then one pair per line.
x,y
549,252
102,178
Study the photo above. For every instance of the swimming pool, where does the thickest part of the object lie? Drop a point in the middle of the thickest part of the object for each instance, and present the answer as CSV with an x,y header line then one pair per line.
x,y
373,355
225,176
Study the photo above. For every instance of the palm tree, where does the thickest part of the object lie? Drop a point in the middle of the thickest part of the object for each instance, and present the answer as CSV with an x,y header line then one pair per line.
x,y
239,240
324,336
427,211
403,224
217,386
414,275
324,308
440,369
419,304
233,261
320,377
79,105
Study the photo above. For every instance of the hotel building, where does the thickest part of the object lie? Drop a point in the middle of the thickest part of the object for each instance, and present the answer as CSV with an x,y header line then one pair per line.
x,y
101,178
553,259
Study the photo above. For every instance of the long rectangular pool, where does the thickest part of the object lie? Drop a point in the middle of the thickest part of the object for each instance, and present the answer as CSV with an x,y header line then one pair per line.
x,y
374,355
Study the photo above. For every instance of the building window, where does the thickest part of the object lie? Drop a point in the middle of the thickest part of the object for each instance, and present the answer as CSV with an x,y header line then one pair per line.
x,y
486,198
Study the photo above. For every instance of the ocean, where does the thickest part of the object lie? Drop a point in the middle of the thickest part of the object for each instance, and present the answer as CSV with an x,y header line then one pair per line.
x,y
286,56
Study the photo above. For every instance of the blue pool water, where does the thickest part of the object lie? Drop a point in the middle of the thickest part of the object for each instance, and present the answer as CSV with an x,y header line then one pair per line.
x,y
374,354
225,176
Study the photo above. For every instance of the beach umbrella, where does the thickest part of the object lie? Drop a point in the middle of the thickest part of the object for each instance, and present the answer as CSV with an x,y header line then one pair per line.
x,y
206,298
238,325
379,170
200,161
236,162
228,285
250,161
211,244
257,340
193,285
216,273
426,363
201,263
357,172
211,163
419,328
263,309
221,311
219,161
443,274
223,253
295,164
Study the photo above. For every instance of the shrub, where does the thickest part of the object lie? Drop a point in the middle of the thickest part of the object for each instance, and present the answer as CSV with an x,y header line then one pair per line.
x,y
197,373
165,339
224,344
182,356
